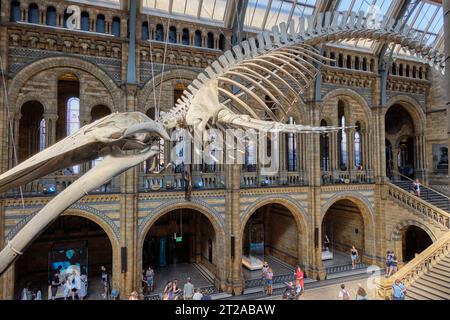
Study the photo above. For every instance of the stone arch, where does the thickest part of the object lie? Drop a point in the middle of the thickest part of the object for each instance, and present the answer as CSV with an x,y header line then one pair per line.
x,y
28,98
367,213
88,213
348,93
75,65
112,236
396,231
145,94
208,212
413,107
296,210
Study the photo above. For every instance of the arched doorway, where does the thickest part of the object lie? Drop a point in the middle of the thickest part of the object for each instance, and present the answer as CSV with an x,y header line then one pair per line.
x,y
342,227
32,137
71,242
182,243
400,131
273,234
414,241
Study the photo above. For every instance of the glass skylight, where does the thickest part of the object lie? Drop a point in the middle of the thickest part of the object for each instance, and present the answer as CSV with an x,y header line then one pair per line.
x,y
264,14
197,9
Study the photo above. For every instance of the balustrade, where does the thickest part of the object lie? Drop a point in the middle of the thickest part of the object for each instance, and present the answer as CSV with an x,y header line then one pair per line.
x,y
419,206
416,267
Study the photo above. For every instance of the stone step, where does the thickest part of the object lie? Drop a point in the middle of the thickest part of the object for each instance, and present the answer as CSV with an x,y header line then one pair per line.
x,y
443,268
432,284
440,273
430,290
423,294
411,295
435,279
445,259
204,272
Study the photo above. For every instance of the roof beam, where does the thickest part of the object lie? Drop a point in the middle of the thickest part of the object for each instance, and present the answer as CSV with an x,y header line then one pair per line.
x,y
240,7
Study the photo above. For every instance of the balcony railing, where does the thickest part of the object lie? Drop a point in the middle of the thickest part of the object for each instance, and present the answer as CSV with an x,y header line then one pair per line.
x,y
255,179
175,181
347,177
54,184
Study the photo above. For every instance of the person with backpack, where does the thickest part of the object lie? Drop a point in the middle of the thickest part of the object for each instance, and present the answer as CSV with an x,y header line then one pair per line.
x,y
344,294
399,290
361,294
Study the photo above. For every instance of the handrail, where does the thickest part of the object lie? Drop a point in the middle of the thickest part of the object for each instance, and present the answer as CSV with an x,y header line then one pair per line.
x,y
445,216
425,185
416,267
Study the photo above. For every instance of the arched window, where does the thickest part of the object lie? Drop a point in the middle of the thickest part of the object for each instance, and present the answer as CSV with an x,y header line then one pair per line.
x,y
414,72
400,71
185,37
30,130
364,66
372,65
342,137
408,69
356,63
145,32
159,32
84,23
358,146
100,24
173,34
349,62
73,121
222,42
65,17
210,40
341,61
394,69
250,154
33,13
324,149
292,149
50,18
115,28
15,11
98,112
420,73
73,114
198,38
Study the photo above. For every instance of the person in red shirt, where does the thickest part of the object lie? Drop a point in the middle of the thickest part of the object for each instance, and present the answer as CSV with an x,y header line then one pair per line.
x,y
299,278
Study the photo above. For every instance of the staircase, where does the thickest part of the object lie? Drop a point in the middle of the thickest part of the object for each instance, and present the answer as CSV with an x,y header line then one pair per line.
x,y
429,195
433,284
427,276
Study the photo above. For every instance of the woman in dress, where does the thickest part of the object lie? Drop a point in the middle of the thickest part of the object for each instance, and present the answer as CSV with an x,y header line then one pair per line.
x,y
299,279
354,256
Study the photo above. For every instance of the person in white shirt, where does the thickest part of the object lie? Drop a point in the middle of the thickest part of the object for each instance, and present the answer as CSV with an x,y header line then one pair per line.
x,y
344,294
197,295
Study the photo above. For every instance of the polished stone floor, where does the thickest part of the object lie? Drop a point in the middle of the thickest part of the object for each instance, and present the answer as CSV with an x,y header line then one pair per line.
x,y
277,266
180,272
339,259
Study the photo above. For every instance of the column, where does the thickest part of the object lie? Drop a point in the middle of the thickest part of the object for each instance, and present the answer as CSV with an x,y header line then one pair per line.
x,y
233,260
351,149
379,142
50,128
130,279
